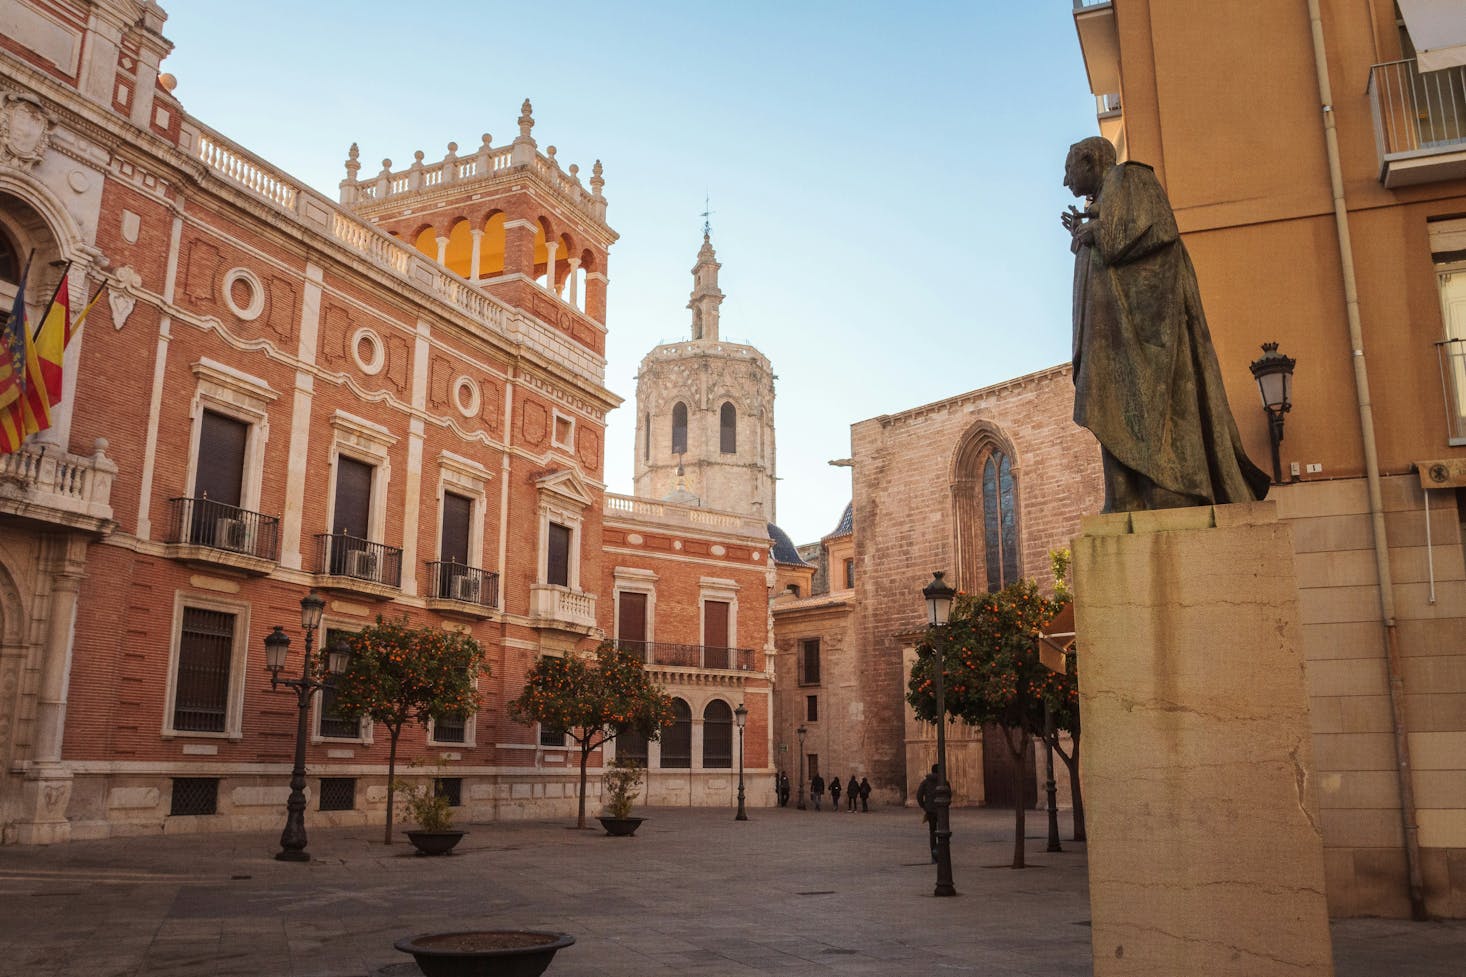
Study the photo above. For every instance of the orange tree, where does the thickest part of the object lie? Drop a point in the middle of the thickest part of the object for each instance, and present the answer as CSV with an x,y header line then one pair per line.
x,y
592,699
400,673
993,674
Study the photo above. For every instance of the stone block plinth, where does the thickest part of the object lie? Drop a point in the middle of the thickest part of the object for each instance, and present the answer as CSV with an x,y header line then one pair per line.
x,y
1205,846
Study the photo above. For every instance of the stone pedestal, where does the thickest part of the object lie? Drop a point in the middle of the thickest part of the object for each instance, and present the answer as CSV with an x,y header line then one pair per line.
x,y
1205,848
45,793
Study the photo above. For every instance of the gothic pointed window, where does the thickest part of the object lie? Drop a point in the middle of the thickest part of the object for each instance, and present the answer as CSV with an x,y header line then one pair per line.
x,y
1000,521
679,428
728,429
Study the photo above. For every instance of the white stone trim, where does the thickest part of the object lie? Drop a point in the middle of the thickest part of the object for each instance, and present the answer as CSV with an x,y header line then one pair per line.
x,y
256,304
378,360
469,406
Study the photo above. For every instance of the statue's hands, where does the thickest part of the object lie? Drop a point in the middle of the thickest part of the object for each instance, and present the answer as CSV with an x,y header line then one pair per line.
x,y
1080,225
1071,218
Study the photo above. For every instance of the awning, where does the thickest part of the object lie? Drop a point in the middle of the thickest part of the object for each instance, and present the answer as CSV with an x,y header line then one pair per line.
x,y
1438,31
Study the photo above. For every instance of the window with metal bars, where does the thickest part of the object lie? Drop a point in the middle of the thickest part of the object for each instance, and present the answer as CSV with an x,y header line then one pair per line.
x,y
551,737
809,661
338,793
331,723
450,729
677,739
717,735
194,795
451,788
205,657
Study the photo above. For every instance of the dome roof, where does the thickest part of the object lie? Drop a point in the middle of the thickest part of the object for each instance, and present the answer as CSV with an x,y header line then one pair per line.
x,y
847,521
783,549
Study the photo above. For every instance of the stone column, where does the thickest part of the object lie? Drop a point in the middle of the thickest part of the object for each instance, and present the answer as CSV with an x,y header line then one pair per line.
x,y
47,786
478,240
1205,847
551,247
442,249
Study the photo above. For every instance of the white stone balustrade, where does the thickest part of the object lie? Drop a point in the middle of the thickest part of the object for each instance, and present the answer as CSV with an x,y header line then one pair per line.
x,y
689,517
44,483
561,605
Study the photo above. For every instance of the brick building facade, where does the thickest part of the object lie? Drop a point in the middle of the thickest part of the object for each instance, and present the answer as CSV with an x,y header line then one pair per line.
x,y
397,401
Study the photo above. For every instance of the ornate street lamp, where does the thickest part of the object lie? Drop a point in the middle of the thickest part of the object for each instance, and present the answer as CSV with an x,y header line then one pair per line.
x,y
1050,788
938,598
740,716
1274,375
800,733
277,645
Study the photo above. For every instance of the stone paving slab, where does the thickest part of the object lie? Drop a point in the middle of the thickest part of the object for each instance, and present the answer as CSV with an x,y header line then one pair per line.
x,y
694,894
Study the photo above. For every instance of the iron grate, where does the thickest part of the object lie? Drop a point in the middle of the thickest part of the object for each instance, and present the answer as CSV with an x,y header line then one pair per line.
x,y
338,793
194,795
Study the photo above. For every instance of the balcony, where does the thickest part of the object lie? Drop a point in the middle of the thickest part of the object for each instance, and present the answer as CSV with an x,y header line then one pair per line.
x,y
44,484
691,656
1419,123
553,606
201,530
455,588
1099,42
358,566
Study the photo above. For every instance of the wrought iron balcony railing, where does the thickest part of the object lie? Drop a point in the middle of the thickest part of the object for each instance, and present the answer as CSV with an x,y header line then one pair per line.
x,y
460,582
690,656
204,522
1419,122
343,555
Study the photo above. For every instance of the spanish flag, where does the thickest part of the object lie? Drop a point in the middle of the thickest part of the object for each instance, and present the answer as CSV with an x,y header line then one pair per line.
x,y
14,338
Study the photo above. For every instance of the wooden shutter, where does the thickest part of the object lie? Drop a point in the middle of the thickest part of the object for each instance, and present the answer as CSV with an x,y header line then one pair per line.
x,y
353,497
631,619
715,632
557,570
457,517
220,474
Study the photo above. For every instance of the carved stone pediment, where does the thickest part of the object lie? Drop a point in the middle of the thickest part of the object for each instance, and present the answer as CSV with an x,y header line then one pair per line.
x,y
25,130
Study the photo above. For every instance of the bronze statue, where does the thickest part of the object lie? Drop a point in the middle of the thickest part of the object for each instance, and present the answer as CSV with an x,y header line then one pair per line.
x,y
1146,380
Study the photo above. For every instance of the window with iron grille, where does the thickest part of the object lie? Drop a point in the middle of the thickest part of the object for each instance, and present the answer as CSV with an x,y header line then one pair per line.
x,y
451,788
631,746
717,735
205,659
338,793
677,739
809,661
194,795
332,724
450,729
551,737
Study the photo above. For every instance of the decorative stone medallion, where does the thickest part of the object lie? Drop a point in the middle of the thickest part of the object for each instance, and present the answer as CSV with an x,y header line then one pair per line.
x,y
25,130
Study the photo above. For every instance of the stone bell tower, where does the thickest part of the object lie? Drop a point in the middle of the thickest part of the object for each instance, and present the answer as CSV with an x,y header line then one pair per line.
x,y
705,412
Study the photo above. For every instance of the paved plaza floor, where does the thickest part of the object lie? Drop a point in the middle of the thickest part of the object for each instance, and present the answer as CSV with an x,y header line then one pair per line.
x,y
694,893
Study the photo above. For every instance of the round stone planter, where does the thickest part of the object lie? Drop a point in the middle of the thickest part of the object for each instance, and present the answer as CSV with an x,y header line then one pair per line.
x,y
620,827
434,842
485,953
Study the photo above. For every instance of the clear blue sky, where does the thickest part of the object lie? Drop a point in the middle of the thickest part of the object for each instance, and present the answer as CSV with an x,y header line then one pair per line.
x,y
885,178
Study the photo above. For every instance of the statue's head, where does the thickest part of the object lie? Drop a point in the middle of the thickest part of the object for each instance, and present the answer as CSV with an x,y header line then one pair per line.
x,y
1086,165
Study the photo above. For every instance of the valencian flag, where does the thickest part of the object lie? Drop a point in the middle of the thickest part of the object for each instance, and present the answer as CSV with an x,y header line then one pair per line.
x,y
52,337
39,357
14,336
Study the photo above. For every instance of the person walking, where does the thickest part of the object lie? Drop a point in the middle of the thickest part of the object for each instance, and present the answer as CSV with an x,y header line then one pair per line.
x,y
835,794
864,796
852,791
927,801
816,790
783,789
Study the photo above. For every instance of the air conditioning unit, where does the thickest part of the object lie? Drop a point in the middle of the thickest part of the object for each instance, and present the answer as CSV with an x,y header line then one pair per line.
x,y
361,563
465,588
231,534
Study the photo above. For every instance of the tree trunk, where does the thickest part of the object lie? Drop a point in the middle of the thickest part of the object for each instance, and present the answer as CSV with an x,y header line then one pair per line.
x,y
1019,813
585,749
394,732
1075,793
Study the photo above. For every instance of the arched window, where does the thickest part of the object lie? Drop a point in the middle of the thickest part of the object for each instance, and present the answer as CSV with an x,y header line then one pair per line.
x,y
985,502
717,735
679,428
728,429
646,447
677,738
999,521
9,260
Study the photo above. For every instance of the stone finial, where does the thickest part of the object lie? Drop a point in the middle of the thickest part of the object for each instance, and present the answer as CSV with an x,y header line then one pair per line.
x,y
526,119
353,162
386,168
550,152
417,158
575,172
488,142
596,180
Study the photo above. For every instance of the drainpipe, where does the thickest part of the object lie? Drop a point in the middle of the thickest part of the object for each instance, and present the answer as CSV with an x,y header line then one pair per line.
x,y
1371,469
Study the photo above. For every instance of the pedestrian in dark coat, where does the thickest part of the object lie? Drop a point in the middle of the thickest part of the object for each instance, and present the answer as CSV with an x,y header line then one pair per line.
x,y
927,801
835,794
783,789
817,790
852,791
864,795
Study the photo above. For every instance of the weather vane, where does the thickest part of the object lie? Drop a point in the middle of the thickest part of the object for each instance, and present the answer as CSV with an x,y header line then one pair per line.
x,y
707,227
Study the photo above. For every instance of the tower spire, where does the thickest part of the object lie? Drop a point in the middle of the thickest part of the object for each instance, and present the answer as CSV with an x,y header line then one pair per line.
x,y
706,295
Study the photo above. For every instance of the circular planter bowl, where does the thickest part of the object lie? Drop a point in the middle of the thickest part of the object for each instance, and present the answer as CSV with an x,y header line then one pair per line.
x,y
485,953
620,827
434,842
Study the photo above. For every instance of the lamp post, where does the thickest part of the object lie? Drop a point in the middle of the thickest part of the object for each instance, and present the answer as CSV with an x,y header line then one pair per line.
x,y
938,598
277,644
740,716
1050,788
800,733
1274,375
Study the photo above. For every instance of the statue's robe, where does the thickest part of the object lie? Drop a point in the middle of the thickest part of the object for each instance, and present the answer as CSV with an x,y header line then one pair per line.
x,y
1145,373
